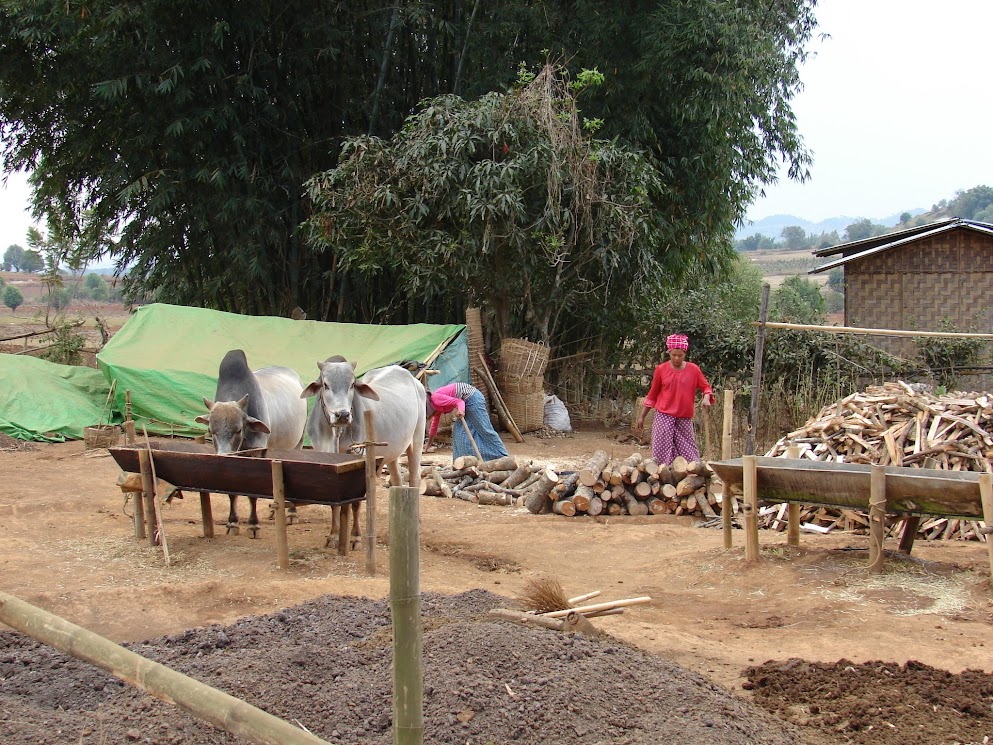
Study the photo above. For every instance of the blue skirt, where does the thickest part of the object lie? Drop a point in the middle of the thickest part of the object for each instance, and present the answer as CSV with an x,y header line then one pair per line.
x,y
489,442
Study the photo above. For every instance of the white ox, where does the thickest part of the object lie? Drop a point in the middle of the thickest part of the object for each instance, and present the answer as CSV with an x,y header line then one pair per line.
x,y
337,421
260,409
396,400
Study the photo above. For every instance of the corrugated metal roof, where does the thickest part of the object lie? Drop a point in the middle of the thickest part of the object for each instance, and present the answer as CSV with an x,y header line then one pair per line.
x,y
901,238
855,246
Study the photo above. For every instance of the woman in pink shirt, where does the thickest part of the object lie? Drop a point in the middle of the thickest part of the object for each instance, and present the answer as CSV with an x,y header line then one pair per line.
x,y
470,406
672,395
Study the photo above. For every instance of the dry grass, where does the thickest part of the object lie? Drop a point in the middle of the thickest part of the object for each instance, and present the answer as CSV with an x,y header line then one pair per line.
x,y
544,596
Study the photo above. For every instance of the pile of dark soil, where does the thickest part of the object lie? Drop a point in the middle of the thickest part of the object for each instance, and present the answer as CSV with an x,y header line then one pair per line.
x,y
11,443
882,703
327,665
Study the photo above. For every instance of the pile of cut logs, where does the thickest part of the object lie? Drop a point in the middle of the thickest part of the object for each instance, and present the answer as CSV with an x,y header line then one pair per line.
x,y
634,486
894,424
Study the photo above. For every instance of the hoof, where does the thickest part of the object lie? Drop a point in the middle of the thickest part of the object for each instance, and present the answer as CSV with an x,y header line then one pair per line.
x,y
233,529
291,519
331,542
253,531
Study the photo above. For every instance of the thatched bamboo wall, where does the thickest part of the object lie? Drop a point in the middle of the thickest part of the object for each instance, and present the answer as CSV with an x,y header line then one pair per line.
x,y
917,285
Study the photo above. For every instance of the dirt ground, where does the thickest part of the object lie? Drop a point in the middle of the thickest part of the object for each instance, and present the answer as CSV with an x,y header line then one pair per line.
x,y
806,633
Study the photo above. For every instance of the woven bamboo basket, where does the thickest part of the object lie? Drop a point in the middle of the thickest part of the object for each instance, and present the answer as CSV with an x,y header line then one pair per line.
x,y
101,436
521,358
528,409
513,384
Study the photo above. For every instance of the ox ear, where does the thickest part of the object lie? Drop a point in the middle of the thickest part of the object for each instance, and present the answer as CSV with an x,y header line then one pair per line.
x,y
354,365
311,390
320,366
243,402
366,391
202,419
256,425
208,403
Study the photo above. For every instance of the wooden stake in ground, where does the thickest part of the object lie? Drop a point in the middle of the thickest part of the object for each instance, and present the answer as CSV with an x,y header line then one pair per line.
x,y
793,511
727,503
370,493
877,517
749,478
405,607
986,495
279,500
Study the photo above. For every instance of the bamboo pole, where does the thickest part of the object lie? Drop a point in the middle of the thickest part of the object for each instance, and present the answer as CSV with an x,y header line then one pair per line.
x,y
468,433
279,501
877,517
753,411
727,500
986,495
610,604
749,478
160,533
370,492
501,405
405,605
215,707
793,509
148,495
581,598
869,332
555,624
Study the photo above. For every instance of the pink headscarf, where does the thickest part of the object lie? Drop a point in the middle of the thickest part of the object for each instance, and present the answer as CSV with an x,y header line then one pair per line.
x,y
677,341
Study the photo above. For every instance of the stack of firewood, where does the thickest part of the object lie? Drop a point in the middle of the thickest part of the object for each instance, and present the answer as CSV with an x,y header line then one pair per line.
x,y
894,424
634,486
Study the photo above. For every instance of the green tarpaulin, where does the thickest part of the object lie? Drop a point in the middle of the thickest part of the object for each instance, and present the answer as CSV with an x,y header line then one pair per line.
x,y
43,401
167,355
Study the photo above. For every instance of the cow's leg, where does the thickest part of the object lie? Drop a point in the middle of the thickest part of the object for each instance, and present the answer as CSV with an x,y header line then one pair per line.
x,y
291,512
414,464
356,529
395,479
233,515
253,519
332,539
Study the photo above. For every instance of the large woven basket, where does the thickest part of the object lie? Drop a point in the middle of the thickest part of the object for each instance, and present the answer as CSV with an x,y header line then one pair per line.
x,y
101,436
513,384
528,409
520,358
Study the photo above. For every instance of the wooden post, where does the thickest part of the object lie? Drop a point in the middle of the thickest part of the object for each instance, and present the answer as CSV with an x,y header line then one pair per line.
x,y
139,509
726,428
209,704
877,517
753,411
749,477
148,495
206,515
793,509
910,526
405,605
472,440
986,495
129,430
370,493
727,500
279,501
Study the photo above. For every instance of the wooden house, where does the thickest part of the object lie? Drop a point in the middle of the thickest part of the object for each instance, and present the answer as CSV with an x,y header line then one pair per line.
x,y
918,279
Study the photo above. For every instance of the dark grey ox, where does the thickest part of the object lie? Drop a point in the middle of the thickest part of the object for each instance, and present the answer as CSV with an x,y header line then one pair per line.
x,y
260,409
396,400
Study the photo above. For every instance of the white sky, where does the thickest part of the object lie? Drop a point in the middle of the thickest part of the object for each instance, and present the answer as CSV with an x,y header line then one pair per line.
x,y
895,107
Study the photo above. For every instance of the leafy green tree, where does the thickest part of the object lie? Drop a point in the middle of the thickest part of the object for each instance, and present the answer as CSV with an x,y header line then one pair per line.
x,y
755,242
798,300
968,204
97,287
181,149
13,257
59,298
32,262
12,298
836,279
795,237
506,201
906,217
862,229
826,240
943,355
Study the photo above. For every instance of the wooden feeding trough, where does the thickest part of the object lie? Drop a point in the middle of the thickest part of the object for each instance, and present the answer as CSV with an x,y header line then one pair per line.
x,y
906,492
298,476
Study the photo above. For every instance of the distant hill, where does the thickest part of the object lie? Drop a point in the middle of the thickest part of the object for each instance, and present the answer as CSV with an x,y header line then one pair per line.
x,y
773,225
